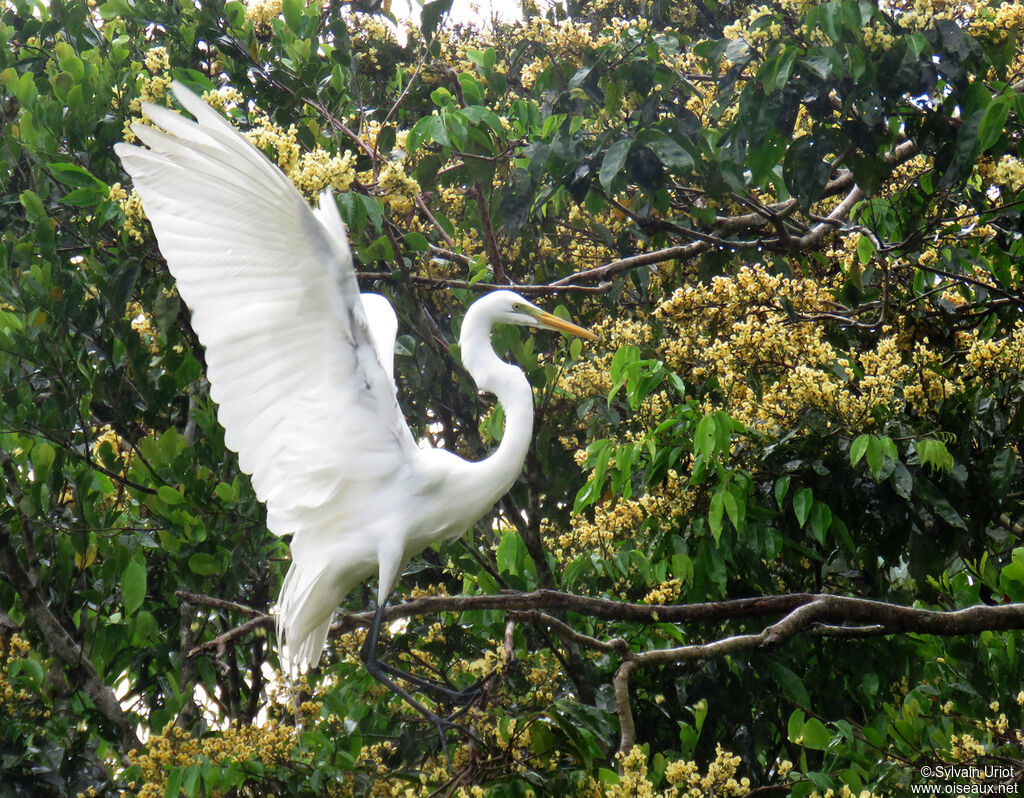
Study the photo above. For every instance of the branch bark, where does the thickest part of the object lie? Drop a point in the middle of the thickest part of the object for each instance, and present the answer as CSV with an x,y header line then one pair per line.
x,y
727,225
824,615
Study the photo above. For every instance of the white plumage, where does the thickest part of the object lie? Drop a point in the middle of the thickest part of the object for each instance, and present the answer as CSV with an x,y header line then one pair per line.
x,y
300,365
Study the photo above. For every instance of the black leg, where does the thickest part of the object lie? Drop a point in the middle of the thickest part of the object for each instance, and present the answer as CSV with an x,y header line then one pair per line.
x,y
382,672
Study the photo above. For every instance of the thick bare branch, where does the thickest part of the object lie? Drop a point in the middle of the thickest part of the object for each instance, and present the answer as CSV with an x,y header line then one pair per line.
x,y
825,615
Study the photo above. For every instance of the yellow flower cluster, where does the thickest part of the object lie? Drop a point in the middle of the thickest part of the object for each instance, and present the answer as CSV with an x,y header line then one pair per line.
x,y
16,702
544,673
964,748
270,744
666,593
876,36
347,647
754,33
142,323
997,726
617,521
367,31
259,13
919,15
998,21
845,792
131,207
223,98
1003,356
311,171
157,60
399,189
152,87
931,386
566,40
684,777
1009,172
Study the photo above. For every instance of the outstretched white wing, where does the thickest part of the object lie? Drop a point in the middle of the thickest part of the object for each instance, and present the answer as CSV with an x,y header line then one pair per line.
x,y
304,396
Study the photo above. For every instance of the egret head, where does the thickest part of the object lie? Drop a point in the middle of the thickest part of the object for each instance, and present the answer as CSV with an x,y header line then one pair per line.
x,y
508,307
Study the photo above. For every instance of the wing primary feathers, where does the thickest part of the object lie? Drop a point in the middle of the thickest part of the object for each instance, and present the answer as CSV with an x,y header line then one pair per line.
x,y
303,384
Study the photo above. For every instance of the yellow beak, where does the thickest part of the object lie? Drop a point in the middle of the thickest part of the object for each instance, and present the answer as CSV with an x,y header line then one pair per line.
x,y
552,322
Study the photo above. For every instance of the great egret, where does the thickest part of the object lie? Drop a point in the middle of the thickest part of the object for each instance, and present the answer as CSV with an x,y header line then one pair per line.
x,y
300,364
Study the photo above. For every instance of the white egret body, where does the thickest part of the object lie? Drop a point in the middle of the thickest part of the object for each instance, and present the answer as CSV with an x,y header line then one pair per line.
x,y
301,366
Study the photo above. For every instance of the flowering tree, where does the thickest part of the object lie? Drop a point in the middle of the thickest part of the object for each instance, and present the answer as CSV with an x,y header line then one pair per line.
x,y
766,541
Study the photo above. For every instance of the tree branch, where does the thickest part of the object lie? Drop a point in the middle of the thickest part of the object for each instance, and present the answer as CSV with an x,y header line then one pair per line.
x,y
822,614
826,615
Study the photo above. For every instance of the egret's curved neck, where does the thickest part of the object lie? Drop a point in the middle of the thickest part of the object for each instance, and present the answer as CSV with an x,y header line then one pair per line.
x,y
498,472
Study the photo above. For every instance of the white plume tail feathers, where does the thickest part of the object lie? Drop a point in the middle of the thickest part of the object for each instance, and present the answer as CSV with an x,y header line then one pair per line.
x,y
307,596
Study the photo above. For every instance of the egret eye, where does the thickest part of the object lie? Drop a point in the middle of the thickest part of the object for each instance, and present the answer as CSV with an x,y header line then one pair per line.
x,y
516,306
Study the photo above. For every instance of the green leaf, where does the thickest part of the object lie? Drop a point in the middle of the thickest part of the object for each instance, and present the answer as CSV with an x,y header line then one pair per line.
x,y
42,459
33,205
805,170
614,160
442,97
795,726
803,499
432,14
145,628
902,481
417,242
734,509
934,454
293,17
821,521
704,437
875,455
472,89
1004,466
418,134
438,131
715,513
172,788
858,448
169,495
84,197
791,684
624,357
815,735
938,503
865,249
204,564
511,554
133,586
671,154
1011,578
386,139
74,176
781,489
993,123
